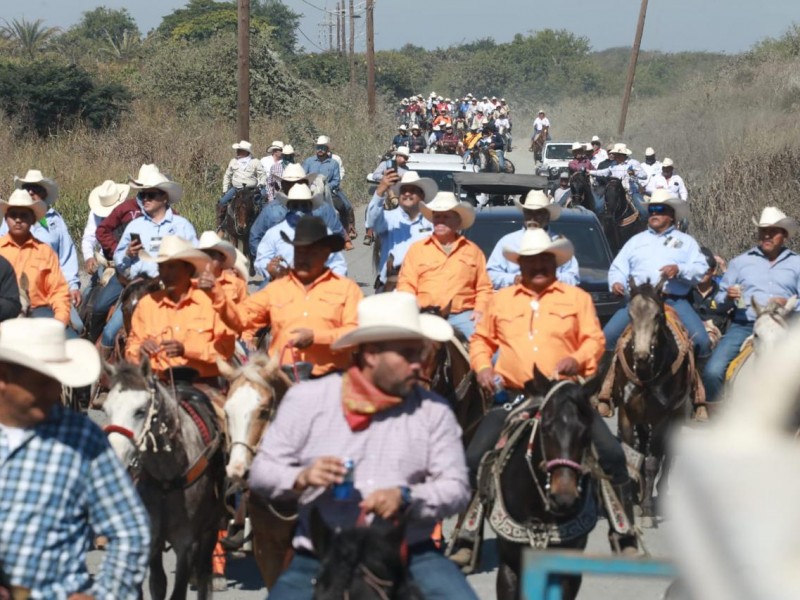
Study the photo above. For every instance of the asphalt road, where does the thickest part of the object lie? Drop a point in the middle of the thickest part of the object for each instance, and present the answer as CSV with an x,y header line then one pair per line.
x,y
244,582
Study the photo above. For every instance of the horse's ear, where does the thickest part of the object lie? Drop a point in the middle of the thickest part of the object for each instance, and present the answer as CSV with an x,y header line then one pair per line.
x,y
321,534
225,368
756,306
660,285
109,369
539,385
789,306
632,285
446,310
397,533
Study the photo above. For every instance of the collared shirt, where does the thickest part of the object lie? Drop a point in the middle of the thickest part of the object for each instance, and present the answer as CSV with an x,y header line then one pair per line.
x,y
620,171
328,306
151,234
207,329
274,212
417,143
502,271
401,139
47,286
598,157
761,279
272,245
61,487
437,278
240,174
416,444
558,195
652,170
89,239
564,323
539,124
646,253
580,164
328,167
394,227
275,173
674,185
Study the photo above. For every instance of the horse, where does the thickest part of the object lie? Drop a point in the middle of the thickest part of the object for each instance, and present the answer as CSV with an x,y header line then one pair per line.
x,y
621,220
537,144
172,447
581,192
361,563
487,160
655,384
239,218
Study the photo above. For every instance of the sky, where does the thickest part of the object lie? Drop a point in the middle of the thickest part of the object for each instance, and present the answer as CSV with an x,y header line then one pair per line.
x,y
729,26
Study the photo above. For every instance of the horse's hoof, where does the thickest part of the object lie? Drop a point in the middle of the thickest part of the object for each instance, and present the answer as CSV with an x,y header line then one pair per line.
x,y
368,240
701,414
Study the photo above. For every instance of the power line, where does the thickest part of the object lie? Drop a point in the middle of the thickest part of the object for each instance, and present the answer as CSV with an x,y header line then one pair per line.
x,y
309,40
314,6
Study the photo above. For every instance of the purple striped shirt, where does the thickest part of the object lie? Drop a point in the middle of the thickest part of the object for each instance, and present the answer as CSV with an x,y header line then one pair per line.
x,y
416,444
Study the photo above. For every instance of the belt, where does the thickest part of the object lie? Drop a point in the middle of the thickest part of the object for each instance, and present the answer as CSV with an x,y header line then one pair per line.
x,y
676,296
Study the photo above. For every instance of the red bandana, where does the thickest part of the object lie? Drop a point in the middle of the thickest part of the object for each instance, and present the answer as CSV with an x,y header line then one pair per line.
x,y
361,399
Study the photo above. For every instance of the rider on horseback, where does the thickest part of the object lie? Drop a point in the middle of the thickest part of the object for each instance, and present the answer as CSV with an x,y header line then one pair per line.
x,y
450,140
401,139
417,141
579,162
598,154
324,163
629,171
244,171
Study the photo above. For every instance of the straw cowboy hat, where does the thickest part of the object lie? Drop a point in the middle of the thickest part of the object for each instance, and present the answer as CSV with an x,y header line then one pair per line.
x,y
293,172
649,151
402,128
209,240
275,145
106,196
243,145
42,345
402,151
312,230
667,162
425,184
323,140
23,199
774,217
538,200
288,149
151,177
577,146
662,196
620,149
447,201
596,140
393,317
34,176
538,241
300,192
174,247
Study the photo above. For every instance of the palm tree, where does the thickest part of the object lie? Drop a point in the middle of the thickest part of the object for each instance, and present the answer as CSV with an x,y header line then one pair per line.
x,y
28,37
126,48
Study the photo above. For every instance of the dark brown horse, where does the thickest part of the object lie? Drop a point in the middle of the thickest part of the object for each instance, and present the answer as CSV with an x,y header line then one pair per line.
x,y
621,221
581,192
239,218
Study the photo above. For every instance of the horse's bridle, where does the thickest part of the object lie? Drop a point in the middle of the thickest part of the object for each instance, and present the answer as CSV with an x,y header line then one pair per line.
x,y
236,229
382,587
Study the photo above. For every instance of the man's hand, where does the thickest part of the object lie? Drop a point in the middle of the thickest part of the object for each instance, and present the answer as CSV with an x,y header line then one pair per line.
x,y
485,379
303,338
324,471
567,366
476,316
277,268
75,297
618,289
778,300
669,271
384,503
172,348
150,346
80,597
390,177
206,280
734,292
91,266
134,248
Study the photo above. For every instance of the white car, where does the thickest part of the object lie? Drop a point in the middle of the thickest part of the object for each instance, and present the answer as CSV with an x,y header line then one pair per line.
x,y
439,167
555,159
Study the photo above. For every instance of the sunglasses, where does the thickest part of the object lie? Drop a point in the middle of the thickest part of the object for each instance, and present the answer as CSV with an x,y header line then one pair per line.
x,y
151,195
321,148
19,215
658,209
35,189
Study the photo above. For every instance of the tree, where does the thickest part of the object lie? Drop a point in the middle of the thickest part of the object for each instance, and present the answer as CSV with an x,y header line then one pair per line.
x,y
103,23
28,37
283,20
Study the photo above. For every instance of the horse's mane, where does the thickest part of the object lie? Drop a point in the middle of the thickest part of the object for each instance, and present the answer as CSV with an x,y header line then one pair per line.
x,y
261,369
129,376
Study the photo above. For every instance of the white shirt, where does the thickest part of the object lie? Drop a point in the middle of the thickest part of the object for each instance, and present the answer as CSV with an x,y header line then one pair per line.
x,y
14,436
89,239
502,124
652,170
539,124
267,162
338,160
601,156
245,172
675,185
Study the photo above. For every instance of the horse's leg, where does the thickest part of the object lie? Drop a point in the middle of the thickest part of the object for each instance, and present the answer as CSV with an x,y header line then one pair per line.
x,y
158,578
272,542
507,583
650,472
200,561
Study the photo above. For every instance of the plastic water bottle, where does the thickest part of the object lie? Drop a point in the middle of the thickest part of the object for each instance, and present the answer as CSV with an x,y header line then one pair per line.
x,y
500,393
344,490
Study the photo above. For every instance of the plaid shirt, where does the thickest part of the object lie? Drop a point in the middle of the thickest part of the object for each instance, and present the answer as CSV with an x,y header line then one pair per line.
x,y
275,173
60,488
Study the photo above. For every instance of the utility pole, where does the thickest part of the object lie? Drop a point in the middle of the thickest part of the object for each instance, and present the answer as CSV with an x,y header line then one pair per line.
x,y
352,45
344,28
243,70
338,29
331,25
370,59
637,42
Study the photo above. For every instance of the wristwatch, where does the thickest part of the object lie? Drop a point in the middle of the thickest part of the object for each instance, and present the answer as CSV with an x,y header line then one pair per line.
x,y
405,496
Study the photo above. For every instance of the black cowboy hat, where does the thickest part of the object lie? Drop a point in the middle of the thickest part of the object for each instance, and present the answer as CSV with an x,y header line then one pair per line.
x,y
312,230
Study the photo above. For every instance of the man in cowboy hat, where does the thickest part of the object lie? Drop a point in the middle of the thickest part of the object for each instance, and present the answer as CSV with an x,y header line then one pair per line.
x,y
541,127
767,272
276,172
186,324
561,194
311,306
401,139
417,141
579,162
652,165
627,170
537,212
446,269
400,157
665,179
324,163
244,171
47,288
402,438
450,140
274,255
60,481
274,155
598,155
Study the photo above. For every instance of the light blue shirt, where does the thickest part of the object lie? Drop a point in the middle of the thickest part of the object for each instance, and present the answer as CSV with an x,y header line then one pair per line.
x,y
394,227
272,245
151,234
646,253
378,173
620,171
502,271
761,279
328,167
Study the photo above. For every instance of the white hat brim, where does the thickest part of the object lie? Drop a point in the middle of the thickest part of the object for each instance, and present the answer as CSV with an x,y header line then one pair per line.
x,y
198,258
47,183
431,327
465,211
81,368
552,208
680,207
788,224
316,200
173,190
100,209
561,248
227,249
39,208
426,184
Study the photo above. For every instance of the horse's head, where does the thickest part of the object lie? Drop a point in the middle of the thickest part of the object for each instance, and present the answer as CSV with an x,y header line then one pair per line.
x,y
646,309
243,209
255,389
771,322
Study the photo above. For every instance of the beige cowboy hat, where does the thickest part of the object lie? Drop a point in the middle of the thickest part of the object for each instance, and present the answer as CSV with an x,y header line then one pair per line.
x,y
649,151
323,140
293,172
23,199
151,177
301,192
288,149
393,317
402,128
209,240
402,151
427,185
620,149
242,265
596,140
774,217
35,176
243,145
577,146
538,200
106,196
667,162
447,201
538,241
662,196
174,247
275,145
42,345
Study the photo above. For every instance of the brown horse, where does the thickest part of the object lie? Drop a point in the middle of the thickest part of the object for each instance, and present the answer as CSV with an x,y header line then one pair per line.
x,y
239,218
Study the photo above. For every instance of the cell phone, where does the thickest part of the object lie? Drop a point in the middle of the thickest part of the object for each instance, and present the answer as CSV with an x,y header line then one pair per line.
x,y
393,164
135,237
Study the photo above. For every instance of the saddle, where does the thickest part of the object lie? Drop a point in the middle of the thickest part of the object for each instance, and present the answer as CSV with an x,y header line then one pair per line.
x,y
745,350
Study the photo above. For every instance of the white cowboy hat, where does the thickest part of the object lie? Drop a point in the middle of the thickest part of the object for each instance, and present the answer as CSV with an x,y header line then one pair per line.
x,y
323,140
293,172
402,151
151,177
538,241
106,196
427,185
394,316
437,128
649,152
541,111
402,128
774,217
298,192
42,345
620,149
447,201
209,240
23,199
502,99
662,196
538,200
243,145
174,247
595,139
35,176
275,145
667,162
288,149
242,265
577,146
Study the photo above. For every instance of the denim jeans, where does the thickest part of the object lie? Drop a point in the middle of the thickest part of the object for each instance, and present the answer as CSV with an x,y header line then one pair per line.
x,y
694,325
112,327
638,202
724,353
41,312
437,577
227,197
107,296
501,159
463,322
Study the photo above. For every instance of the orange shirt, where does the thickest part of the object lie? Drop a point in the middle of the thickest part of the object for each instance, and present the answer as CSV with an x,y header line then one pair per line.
x,y
328,306
437,278
47,286
565,324
233,286
206,328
